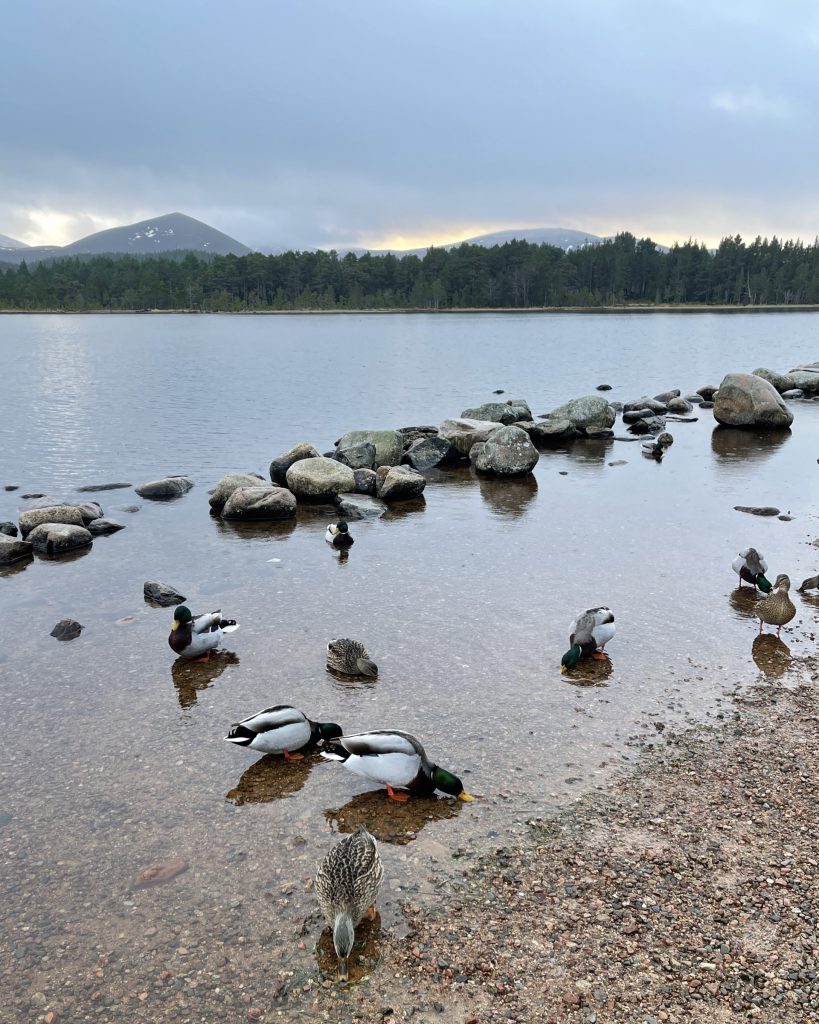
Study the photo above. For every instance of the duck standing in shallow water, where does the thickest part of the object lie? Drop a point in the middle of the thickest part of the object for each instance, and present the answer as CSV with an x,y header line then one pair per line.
x,y
281,729
751,567
338,535
396,760
657,448
776,609
350,658
195,636
347,883
588,636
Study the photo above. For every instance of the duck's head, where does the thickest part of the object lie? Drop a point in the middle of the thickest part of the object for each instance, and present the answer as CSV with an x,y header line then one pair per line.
x,y
763,583
329,730
449,783
665,440
342,527
782,583
181,615
343,939
571,657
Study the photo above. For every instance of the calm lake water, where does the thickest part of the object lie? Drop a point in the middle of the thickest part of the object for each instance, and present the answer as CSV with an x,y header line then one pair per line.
x,y
113,755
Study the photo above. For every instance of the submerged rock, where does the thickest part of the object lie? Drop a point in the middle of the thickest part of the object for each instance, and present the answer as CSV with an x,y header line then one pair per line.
x,y
158,874
161,594
508,451
67,629
265,501
103,525
745,400
90,488
757,510
56,539
280,465
165,489
13,550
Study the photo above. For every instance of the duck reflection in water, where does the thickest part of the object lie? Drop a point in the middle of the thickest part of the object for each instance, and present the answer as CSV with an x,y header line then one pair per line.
x,y
771,655
271,778
743,602
190,677
389,821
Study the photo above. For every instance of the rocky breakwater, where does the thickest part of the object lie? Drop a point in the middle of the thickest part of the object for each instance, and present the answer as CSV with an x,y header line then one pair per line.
x,y
748,400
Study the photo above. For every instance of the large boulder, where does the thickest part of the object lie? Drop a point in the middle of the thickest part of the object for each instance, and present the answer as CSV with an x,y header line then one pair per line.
x,y
166,489
360,506
428,452
317,479
280,465
12,549
398,483
264,501
55,514
357,456
389,444
59,538
463,433
781,381
745,400
589,411
507,452
227,485
497,412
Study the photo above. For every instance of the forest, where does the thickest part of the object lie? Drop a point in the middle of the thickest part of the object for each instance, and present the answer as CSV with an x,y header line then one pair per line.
x,y
622,270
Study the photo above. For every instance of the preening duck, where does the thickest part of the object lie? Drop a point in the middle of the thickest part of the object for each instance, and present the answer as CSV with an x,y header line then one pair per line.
x,y
751,567
347,883
776,608
281,729
350,658
396,760
195,636
338,535
657,448
588,636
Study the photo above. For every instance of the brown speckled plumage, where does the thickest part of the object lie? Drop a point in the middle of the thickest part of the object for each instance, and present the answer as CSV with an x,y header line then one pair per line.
x,y
776,609
350,658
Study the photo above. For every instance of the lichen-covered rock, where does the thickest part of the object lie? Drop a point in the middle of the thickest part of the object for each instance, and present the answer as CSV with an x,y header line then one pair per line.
x,y
520,407
162,594
53,514
588,411
506,452
13,550
399,483
360,506
388,444
781,381
166,489
463,433
365,481
59,538
89,510
318,478
496,412
103,525
428,452
280,465
228,484
357,456
745,400
806,378
262,502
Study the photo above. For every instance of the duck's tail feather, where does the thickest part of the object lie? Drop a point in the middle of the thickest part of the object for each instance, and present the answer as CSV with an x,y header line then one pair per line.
x,y
367,667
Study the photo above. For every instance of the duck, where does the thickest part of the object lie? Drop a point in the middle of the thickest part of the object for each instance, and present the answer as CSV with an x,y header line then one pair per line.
x,y
588,636
776,608
347,884
750,566
350,658
281,729
395,759
338,535
656,448
811,583
195,636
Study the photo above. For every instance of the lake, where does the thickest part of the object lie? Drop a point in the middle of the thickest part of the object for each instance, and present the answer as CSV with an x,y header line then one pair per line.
x,y
113,755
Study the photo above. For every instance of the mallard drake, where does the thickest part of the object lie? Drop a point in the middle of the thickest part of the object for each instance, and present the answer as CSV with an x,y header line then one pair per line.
x,y
338,535
776,608
350,658
395,759
195,636
657,448
281,729
347,883
750,566
588,636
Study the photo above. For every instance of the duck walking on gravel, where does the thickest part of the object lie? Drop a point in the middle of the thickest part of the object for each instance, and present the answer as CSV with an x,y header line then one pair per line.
x,y
281,729
338,535
776,609
350,658
751,567
195,636
588,636
347,883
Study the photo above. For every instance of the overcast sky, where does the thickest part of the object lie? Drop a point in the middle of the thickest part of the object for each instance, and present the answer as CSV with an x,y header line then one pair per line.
x,y
378,123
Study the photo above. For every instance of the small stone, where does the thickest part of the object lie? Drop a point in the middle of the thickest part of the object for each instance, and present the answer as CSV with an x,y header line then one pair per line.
x,y
67,629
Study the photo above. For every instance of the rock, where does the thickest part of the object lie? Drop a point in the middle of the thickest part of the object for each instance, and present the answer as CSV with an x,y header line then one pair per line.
x,y
161,594
11,487
128,508
603,387
9,529
758,510
166,489
695,399
680,405
706,404
520,407
792,394
649,425
357,456
264,501
507,452
158,874
497,412
389,445
365,481
360,506
315,479
280,465
588,411
707,392
666,396
53,514
398,483
428,452
745,400
781,381
619,462
412,434
632,415
90,488
67,629
13,550
598,432
59,538
228,484
805,379
463,433
551,431
102,525
42,501
644,403
89,510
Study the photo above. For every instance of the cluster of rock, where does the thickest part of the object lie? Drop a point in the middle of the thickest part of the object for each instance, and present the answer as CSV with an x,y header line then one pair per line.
x,y
53,528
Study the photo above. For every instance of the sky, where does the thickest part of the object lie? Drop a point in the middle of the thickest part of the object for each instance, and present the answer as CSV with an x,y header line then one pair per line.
x,y
393,125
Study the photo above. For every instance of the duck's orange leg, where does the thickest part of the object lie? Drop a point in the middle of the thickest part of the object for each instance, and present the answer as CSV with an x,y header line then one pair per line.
x,y
401,798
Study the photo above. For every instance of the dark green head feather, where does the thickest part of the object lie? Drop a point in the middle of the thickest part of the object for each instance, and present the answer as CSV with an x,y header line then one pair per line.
x,y
182,614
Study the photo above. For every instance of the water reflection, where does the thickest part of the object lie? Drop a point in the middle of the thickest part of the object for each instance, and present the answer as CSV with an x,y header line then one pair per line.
x,y
771,655
343,682
390,821
66,556
743,602
260,529
402,509
365,955
271,778
589,672
592,451
191,677
19,566
733,444
508,498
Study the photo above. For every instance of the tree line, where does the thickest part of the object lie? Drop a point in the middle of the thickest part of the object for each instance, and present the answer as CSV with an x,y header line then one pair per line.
x,y
516,275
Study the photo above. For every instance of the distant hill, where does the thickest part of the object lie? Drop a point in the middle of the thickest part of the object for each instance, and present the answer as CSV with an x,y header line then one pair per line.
x,y
8,245
173,232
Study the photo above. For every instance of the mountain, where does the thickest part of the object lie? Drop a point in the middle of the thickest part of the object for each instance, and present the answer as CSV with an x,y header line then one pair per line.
x,y
170,233
11,243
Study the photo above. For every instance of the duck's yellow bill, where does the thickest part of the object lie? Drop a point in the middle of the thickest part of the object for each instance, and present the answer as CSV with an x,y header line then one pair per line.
x,y
463,795
175,624
562,669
